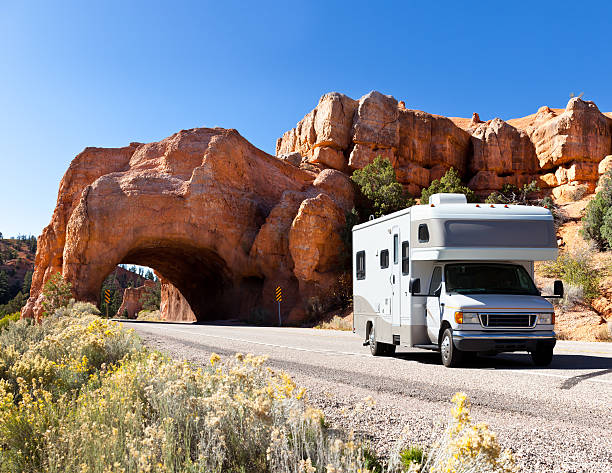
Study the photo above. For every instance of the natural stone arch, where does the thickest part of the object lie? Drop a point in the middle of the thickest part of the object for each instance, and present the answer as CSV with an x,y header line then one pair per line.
x,y
206,209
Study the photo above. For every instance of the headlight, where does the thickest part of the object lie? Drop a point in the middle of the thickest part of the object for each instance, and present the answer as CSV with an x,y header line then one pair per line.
x,y
546,318
466,318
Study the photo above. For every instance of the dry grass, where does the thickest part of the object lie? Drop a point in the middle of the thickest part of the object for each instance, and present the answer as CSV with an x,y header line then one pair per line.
x,y
337,322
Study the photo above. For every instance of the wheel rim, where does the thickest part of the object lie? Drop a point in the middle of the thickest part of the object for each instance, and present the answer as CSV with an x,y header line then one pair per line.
x,y
372,338
445,348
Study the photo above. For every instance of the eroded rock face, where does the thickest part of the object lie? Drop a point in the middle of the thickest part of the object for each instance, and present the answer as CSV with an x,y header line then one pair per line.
x,y
132,300
212,214
559,148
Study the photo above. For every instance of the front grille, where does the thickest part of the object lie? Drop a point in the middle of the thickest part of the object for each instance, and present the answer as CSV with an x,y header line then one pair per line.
x,y
508,320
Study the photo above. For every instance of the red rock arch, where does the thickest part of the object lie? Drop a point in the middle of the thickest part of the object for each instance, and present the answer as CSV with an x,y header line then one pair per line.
x,y
221,220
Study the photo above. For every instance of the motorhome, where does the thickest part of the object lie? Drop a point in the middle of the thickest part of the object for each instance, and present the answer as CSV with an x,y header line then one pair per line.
x,y
455,277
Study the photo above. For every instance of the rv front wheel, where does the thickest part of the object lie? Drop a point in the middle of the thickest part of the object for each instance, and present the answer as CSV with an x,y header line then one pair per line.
x,y
451,356
376,348
542,356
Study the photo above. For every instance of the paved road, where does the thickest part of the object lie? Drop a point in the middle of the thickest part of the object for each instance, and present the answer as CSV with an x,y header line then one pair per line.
x,y
556,419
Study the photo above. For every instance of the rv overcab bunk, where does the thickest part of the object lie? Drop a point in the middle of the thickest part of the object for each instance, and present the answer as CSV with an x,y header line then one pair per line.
x,y
455,277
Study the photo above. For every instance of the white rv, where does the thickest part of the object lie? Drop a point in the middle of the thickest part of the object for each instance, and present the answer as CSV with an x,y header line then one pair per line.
x,y
455,277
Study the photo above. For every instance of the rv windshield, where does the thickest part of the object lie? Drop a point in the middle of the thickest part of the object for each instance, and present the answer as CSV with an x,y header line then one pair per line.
x,y
488,278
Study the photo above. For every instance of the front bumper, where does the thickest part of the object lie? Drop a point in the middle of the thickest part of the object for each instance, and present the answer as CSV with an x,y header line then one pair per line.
x,y
501,342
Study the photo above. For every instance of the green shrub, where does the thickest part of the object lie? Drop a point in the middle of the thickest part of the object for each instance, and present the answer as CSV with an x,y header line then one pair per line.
x,y
575,270
526,195
57,293
511,194
594,224
411,455
7,319
378,183
371,461
451,183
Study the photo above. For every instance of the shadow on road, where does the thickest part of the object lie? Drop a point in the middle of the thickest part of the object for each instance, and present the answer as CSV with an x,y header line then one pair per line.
x,y
519,361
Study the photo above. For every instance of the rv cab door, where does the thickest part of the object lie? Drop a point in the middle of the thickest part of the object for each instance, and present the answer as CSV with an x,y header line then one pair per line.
x,y
435,311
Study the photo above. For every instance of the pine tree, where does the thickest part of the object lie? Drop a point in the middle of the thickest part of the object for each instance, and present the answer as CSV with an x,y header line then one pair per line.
x,y
27,283
5,289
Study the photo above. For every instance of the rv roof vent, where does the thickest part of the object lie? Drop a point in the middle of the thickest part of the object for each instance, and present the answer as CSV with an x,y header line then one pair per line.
x,y
438,199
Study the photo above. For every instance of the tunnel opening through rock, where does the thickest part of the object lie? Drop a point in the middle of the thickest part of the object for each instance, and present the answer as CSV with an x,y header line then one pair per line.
x,y
199,274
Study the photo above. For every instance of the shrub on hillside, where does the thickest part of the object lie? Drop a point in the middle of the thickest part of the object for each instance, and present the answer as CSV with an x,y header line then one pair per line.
x,y
7,319
526,195
56,294
597,220
450,182
378,183
576,270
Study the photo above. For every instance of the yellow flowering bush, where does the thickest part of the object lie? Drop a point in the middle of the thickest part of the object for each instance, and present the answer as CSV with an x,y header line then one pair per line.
x,y
80,394
468,447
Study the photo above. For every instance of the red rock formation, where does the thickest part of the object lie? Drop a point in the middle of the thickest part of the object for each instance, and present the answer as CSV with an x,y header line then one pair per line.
x,y
560,148
173,305
132,303
204,208
342,132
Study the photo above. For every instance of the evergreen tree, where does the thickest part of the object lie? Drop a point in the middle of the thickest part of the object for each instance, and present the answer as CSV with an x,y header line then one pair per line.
x,y
5,289
450,182
378,183
27,283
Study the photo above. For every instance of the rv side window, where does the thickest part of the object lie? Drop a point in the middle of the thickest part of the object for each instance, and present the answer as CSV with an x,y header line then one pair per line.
x,y
395,248
423,233
384,259
360,265
405,258
436,281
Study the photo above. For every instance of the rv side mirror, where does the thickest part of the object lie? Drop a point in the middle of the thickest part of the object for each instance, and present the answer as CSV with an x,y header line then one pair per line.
x,y
414,286
558,288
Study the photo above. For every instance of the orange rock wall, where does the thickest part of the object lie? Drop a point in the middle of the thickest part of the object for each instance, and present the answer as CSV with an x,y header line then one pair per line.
x,y
131,303
560,148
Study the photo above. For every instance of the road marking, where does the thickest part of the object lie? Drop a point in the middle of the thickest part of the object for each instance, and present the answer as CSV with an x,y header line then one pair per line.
x,y
245,340
569,350
552,375
334,352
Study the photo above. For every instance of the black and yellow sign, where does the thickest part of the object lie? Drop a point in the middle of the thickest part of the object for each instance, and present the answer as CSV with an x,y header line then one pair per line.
x,y
279,294
107,296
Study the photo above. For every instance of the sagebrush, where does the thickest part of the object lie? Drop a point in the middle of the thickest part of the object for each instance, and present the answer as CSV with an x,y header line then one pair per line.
x,y
80,394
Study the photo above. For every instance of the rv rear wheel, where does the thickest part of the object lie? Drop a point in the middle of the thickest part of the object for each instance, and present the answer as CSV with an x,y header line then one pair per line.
x,y
450,355
378,348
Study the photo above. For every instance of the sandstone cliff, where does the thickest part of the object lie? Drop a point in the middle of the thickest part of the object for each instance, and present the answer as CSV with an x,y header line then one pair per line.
x,y
560,148
131,303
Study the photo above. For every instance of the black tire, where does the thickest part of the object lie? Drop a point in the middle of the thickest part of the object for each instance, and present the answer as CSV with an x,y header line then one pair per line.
x,y
451,356
389,349
376,348
543,355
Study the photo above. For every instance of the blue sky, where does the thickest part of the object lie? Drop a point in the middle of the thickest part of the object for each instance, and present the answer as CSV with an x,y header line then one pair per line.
x,y
77,74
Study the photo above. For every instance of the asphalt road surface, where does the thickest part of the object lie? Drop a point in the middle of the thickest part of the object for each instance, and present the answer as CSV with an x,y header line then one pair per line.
x,y
555,419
